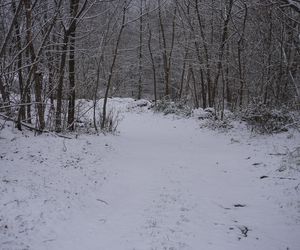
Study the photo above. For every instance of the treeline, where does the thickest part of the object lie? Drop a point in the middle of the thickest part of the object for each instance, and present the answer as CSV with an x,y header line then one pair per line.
x,y
208,53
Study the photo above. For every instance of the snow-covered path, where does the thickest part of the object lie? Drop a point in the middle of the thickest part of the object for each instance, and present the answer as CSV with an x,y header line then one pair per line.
x,y
179,187
161,184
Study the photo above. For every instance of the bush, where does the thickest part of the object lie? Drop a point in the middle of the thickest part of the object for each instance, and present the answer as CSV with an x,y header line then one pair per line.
x,y
224,125
264,119
202,114
112,121
166,107
139,105
210,119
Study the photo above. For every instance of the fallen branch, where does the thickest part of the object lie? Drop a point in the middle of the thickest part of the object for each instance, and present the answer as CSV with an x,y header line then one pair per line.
x,y
103,201
32,128
280,178
278,154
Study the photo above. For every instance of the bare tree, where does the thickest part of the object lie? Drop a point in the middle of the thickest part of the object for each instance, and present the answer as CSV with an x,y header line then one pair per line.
x,y
112,66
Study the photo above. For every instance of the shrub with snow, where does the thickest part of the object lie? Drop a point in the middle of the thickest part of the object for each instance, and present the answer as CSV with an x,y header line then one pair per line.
x,y
211,120
201,114
166,107
217,124
138,105
112,121
264,119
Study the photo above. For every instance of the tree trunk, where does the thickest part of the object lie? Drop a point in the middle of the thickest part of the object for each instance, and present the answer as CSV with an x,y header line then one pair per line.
x,y
140,51
59,94
240,56
206,54
71,109
152,64
221,49
20,58
167,57
183,72
37,75
112,67
194,88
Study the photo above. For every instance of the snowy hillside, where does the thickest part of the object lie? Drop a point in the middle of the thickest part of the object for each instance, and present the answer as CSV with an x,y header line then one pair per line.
x,y
161,183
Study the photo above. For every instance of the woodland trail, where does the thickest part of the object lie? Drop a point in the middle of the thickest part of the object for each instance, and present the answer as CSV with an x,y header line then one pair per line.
x,y
162,183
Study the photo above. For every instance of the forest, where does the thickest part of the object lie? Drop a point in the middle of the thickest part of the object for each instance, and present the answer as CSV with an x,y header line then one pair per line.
x,y
149,124
232,54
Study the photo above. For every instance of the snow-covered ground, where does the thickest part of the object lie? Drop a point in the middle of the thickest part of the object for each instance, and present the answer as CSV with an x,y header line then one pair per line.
x,y
162,183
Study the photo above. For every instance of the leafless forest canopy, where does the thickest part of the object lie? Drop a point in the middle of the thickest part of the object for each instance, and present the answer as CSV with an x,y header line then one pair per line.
x,y
224,54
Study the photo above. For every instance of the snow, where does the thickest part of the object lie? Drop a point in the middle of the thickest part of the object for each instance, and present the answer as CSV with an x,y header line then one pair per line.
x,y
162,183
